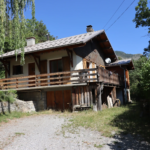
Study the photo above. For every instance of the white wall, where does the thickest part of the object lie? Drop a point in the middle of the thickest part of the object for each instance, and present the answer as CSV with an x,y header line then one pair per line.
x,y
77,62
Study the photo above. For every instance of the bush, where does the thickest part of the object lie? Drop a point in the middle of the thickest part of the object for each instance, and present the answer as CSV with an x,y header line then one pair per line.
x,y
8,96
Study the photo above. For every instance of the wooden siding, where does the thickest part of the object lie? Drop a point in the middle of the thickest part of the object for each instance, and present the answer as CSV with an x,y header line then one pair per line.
x,y
91,51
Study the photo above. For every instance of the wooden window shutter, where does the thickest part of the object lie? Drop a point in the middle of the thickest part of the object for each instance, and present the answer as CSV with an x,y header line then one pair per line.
x,y
66,63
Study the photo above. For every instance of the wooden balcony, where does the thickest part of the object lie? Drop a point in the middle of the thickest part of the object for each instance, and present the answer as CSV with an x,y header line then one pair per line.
x,y
62,78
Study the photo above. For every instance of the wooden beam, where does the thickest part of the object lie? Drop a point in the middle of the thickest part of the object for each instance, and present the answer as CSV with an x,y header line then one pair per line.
x,y
103,41
38,64
61,48
69,52
108,48
99,93
49,50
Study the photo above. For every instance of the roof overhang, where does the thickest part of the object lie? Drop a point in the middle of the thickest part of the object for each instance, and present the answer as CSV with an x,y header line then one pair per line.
x,y
123,63
106,46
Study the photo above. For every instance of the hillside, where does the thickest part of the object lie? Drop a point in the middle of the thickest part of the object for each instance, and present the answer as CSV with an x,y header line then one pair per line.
x,y
127,56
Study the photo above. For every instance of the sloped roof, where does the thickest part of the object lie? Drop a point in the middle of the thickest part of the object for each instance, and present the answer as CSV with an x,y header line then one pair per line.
x,y
123,62
68,41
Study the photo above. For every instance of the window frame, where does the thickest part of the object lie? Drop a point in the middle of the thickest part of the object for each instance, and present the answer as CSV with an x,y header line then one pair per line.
x,y
14,70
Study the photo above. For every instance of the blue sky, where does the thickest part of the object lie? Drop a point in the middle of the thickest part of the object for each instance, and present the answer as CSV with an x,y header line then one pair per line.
x,y
65,18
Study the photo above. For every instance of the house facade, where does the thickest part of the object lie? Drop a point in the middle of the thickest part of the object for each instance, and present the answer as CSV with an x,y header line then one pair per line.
x,y
69,73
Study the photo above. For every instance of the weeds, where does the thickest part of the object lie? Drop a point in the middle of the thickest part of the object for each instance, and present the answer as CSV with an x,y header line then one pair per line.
x,y
18,133
98,146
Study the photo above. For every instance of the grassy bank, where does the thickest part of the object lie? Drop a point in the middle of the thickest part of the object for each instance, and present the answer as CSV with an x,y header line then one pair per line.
x,y
115,120
119,120
9,116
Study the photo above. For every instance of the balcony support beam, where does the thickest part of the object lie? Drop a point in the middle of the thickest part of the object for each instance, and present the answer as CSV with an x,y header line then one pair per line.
x,y
37,62
70,55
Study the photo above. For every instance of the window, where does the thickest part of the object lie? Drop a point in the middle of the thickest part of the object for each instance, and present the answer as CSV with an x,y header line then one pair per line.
x,y
56,66
17,70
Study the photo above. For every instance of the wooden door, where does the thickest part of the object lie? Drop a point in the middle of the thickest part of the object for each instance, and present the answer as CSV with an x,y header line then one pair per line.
x,y
67,100
59,100
31,71
50,100
66,67
43,67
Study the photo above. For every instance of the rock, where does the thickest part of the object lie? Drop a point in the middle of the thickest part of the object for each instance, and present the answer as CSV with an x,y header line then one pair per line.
x,y
19,105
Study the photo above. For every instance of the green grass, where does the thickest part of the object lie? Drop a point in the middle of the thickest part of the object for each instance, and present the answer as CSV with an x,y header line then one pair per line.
x,y
98,146
122,120
10,116
18,133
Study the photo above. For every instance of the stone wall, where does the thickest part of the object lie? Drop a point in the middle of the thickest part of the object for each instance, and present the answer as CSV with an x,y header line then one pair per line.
x,y
18,105
39,98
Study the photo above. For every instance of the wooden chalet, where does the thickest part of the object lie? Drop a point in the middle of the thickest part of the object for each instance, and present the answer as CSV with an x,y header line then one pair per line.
x,y
69,73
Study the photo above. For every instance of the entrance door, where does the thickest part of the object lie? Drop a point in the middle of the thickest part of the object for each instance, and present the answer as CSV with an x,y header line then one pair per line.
x,y
31,71
67,100
43,67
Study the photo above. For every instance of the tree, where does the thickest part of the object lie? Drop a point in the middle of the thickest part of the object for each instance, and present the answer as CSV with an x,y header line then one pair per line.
x,y
40,32
142,18
145,80
12,23
7,96
136,78
119,58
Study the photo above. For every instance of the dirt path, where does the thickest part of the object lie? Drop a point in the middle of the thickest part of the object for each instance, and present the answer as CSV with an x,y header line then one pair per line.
x,y
44,132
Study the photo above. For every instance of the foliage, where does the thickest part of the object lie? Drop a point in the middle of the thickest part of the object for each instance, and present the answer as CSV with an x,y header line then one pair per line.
x,y
145,80
12,24
119,58
2,72
40,31
8,96
147,51
142,18
125,56
136,77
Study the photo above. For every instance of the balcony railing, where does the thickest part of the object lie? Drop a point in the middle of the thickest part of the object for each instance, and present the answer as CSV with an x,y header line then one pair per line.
x,y
60,78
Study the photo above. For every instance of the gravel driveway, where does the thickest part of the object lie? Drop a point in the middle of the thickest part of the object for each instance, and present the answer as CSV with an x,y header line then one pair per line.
x,y
44,132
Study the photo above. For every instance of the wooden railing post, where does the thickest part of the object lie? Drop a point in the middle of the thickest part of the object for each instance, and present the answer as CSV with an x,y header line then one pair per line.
x,y
36,80
16,83
98,75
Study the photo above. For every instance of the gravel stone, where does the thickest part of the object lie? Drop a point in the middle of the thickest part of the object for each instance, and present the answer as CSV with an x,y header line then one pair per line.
x,y
44,132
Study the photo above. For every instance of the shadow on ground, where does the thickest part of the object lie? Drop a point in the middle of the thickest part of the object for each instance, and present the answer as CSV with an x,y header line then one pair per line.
x,y
136,129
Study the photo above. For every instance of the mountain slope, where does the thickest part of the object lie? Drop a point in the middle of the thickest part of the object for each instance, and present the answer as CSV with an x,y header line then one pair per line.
x,y
127,56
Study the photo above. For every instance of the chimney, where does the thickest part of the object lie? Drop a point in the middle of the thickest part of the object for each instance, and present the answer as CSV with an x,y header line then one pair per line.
x,y
30,41
89,28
